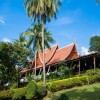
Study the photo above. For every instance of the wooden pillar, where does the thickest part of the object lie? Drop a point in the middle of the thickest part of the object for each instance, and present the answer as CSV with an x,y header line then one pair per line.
x,y
40,71
56,68
94,62
79,67
48,69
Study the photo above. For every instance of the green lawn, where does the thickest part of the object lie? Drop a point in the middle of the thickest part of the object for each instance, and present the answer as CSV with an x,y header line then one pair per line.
x,y
91,92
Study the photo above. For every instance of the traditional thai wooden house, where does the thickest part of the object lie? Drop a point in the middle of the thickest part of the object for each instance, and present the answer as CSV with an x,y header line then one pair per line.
x,y
68,55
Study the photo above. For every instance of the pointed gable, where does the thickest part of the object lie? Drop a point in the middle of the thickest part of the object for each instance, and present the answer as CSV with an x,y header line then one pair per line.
x,y
55,55
49,53
63,54
73,54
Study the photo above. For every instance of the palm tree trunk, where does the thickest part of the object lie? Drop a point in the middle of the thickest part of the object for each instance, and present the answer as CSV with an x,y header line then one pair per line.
x,y
35,61
44,80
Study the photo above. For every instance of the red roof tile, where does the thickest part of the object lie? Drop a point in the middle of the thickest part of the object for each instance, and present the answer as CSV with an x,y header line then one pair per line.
x,y
49,53
55,55
61,54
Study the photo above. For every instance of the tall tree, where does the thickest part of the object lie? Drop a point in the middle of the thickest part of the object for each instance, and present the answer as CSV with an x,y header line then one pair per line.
x,y
34,39
22,52
97,1
95,44
11,55
42,11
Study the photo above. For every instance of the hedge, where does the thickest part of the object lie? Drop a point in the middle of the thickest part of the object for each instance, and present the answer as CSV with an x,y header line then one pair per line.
x,y
67,83
89,77
19,93
72,82
24,93
5,95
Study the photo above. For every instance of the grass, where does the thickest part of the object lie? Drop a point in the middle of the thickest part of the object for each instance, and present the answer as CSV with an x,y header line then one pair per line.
x,y
91,92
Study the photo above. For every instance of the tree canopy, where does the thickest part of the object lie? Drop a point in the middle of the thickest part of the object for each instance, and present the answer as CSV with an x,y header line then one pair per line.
x,y
10,56
95,44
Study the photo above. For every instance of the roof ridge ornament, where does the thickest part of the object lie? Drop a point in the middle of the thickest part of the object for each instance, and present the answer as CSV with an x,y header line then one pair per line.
x,y
75,41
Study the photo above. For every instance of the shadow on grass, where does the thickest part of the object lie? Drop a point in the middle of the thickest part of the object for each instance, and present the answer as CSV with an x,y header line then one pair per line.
x,y
81,94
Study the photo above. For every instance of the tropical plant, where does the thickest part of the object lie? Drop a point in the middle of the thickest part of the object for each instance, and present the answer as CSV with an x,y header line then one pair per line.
x,y
11,55
95,44
97,1
66,71
42,11
34,39
31,90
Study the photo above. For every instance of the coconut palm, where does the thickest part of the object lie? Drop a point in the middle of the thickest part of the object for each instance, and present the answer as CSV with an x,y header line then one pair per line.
x,y
35,39
42,11
20,41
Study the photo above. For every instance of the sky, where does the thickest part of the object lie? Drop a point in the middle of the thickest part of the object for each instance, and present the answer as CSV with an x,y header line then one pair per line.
x,y
77,20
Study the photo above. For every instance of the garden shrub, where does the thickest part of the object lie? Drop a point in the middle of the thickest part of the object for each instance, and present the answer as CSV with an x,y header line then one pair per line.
x,y
93,75
63,97
53,75
31,90
54,97
19,93
5,94
41,91
92,72
67,83
14,85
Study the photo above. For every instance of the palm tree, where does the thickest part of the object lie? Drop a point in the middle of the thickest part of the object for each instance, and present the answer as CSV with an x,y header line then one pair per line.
x,y
35,39
42,11
20,41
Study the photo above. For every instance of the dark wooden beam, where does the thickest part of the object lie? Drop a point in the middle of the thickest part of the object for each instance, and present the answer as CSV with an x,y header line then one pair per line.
x,y
94,62
79,67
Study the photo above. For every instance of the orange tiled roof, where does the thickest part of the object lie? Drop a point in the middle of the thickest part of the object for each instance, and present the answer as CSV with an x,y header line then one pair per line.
x,y
61,54
56,54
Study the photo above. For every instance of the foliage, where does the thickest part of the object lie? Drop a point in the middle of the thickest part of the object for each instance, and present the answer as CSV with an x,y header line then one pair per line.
x,y
14,85
33,37
19,93
6,94
91,92
37,91
67,83
31,90
66,71
53,75
41,91
21,53
42,11
10,56
7,67
60,97
97,2
93,75
63,97
29,77
92,72
63,71
95,44
90,77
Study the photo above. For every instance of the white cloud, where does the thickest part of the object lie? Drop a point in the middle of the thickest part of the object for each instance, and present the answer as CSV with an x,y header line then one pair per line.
x,y
6,40
84,51
2,20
